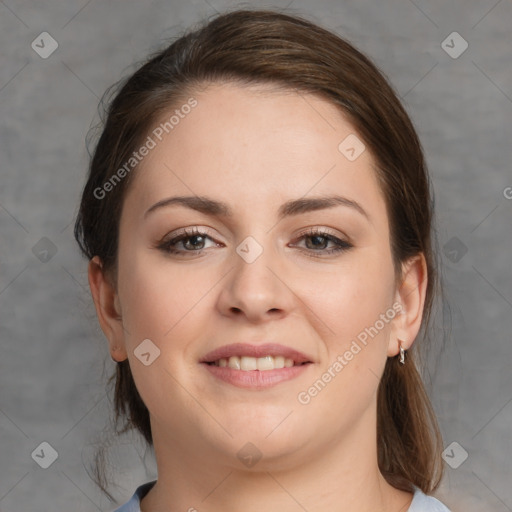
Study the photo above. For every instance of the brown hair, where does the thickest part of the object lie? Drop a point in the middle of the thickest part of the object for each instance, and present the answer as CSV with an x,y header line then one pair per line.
x,y
264,46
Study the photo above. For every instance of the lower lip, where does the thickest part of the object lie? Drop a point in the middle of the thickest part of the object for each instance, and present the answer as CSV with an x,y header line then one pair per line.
x,y
256,379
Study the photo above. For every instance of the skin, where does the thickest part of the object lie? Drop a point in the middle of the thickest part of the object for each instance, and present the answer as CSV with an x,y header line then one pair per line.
x,y
255,148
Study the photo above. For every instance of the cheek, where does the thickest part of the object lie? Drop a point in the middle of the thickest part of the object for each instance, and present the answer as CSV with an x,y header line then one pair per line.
x,y
152,296
355,314
353,298
355,345
163,306
164,303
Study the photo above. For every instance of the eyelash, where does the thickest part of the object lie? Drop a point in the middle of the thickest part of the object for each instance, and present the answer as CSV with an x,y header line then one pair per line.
x,y
167,246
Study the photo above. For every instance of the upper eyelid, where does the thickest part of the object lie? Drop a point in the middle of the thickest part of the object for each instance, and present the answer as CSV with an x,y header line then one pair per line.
x,y
202,230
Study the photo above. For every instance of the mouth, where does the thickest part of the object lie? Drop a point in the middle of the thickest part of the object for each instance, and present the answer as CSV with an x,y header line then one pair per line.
x,y
263,356
255,366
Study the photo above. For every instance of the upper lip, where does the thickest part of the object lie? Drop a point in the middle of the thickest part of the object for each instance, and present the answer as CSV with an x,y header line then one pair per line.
x,y
260,350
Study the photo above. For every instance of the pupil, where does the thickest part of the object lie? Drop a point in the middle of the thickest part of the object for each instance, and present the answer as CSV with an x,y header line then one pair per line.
x,y
195,237
316,238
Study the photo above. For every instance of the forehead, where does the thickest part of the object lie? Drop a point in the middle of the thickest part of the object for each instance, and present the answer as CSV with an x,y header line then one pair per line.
x,y
251,143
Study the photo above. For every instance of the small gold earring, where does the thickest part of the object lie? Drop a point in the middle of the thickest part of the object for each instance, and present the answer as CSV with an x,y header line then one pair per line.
x,y
402,354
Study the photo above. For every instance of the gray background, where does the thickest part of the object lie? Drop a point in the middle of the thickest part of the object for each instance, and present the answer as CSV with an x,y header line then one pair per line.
x,y
52,365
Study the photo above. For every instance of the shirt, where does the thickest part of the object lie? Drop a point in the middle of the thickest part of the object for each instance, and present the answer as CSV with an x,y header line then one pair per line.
x,y
420,501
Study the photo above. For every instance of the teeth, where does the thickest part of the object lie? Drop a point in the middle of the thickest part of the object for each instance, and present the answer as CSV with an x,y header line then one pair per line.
x,y
234,362
246,363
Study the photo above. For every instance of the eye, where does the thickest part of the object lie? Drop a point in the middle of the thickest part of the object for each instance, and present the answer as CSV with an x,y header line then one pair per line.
x,y
319,239
192,240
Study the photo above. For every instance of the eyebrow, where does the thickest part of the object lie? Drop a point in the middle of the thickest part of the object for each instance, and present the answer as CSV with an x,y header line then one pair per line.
x,y
215,208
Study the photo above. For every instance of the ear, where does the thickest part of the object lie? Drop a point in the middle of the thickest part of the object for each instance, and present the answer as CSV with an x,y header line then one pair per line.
x,y
410,295
108,309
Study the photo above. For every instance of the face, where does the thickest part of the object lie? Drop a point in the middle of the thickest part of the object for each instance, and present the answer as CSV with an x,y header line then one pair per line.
x,y
316,278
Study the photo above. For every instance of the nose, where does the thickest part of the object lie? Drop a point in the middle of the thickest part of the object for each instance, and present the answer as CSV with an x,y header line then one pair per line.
x,y
256,289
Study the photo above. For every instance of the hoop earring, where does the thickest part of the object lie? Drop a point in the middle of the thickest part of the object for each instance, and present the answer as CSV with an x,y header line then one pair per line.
x,y
402,354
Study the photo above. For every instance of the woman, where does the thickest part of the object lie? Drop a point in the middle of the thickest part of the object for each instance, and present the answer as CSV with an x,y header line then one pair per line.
x,y
257,218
